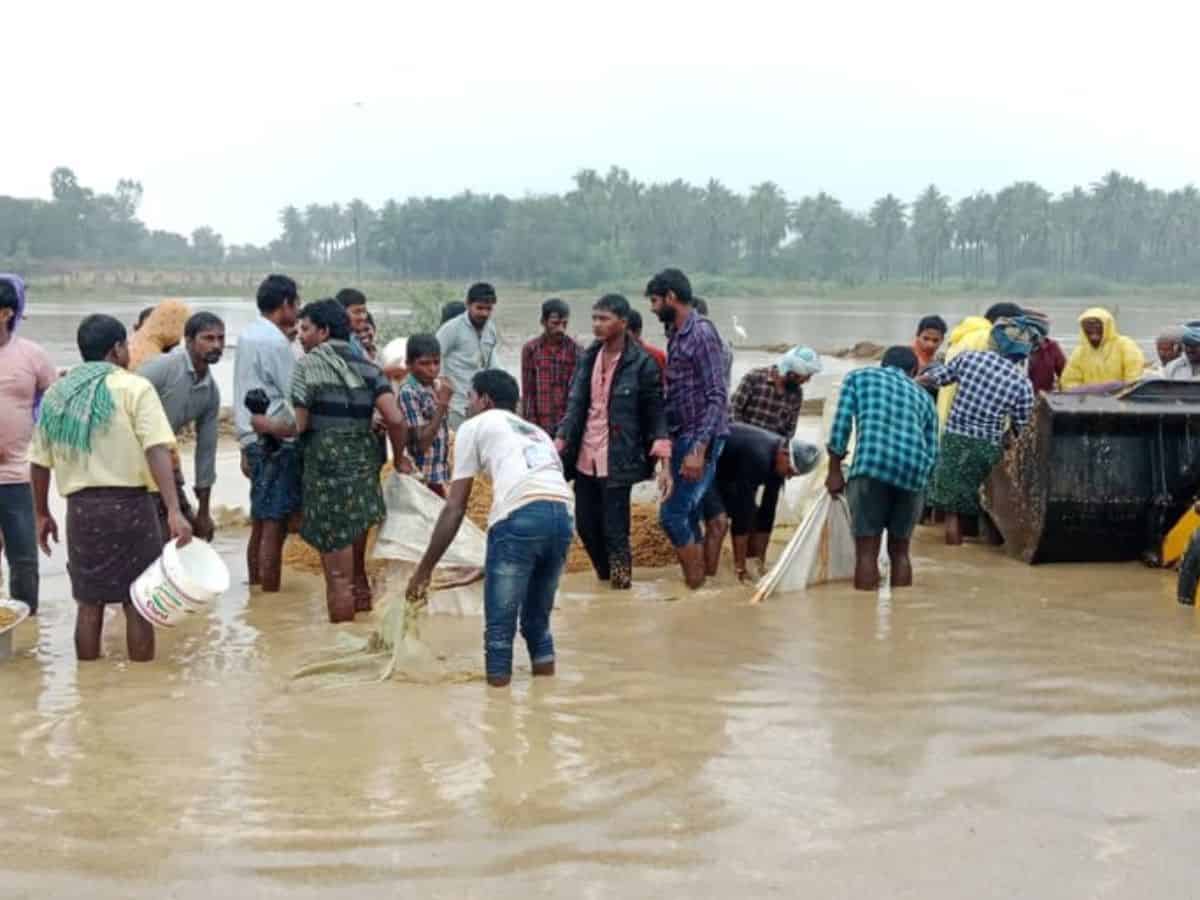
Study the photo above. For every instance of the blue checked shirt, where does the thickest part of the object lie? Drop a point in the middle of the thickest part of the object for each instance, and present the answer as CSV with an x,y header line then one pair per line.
x,y
991,393
895,425
419,407
697,389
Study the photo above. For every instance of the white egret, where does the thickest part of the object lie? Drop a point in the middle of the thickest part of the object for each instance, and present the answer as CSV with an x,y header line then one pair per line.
x,y
738,329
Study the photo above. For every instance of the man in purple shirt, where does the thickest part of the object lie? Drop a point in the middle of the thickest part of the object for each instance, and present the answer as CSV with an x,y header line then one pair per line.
x,y
697,406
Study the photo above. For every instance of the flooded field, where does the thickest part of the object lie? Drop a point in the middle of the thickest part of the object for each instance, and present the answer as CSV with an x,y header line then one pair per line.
x,y
996,731
827,325
1024,732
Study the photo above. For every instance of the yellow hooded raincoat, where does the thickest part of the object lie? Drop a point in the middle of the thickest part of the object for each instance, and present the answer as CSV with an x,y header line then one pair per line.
x,y
972,333
1118,358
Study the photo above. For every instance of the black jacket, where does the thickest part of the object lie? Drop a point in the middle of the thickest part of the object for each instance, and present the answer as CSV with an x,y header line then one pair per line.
x,y
636,416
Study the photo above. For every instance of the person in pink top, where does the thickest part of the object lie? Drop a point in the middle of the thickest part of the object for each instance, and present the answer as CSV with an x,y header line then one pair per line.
x,y
25,374
614,427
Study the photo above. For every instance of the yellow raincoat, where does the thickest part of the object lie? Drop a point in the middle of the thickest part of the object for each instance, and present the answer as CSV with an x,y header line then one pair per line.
x,y
972,333
1118,358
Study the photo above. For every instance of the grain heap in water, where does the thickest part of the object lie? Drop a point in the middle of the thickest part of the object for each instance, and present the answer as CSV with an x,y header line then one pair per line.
x,y
651,547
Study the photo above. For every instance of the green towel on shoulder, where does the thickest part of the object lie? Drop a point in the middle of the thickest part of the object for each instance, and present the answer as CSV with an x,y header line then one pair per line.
x,y
77,406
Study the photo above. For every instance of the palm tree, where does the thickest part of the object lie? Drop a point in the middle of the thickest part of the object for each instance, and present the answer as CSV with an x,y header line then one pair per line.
x,y
932,229
766,218
888,222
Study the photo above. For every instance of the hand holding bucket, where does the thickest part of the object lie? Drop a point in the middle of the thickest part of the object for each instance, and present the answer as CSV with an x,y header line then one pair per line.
x,y
184,580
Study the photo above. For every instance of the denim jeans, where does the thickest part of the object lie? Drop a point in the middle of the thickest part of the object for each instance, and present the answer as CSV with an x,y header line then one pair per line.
x,y
18,527
680,515
526,553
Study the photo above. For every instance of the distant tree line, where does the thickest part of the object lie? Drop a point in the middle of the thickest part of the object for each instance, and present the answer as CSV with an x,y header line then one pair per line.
x,y
612,226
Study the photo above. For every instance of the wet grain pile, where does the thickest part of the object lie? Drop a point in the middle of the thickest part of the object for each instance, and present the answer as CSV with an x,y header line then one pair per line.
x,y
651,548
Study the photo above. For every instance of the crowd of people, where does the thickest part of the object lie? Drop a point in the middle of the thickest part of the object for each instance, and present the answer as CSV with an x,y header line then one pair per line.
x,y
318,413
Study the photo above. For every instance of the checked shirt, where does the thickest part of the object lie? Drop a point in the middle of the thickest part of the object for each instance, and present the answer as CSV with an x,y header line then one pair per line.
x,y
546,372
991,392
895,425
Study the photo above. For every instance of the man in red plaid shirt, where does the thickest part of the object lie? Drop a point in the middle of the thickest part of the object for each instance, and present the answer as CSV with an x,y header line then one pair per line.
x,y
547,364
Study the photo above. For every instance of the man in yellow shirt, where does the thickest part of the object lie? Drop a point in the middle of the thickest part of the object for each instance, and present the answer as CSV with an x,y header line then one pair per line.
x,y
105,436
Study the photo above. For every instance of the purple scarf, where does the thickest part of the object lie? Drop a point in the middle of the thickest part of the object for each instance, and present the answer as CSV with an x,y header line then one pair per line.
x,y
19,285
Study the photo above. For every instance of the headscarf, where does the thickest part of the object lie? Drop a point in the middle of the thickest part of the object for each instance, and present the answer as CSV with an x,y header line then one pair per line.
x,y
77,405
1191,334
1015,337
19,286
1172,333
802,361
162,330
804,456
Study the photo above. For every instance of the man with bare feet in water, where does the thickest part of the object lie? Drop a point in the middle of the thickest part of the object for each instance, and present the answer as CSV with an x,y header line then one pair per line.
x,y
529,525
896,445
697,405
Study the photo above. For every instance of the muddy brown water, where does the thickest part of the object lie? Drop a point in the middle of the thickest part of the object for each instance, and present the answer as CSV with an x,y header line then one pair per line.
x,y
823,323
997,731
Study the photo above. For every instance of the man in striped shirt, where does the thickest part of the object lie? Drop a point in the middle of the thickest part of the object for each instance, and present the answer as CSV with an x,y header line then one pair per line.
x,y
895,428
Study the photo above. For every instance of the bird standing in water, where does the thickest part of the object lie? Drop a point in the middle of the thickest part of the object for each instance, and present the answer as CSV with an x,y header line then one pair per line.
x,y
738,329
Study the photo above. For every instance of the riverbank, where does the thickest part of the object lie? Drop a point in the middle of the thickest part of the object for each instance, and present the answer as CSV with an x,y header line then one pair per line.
x,y
83,282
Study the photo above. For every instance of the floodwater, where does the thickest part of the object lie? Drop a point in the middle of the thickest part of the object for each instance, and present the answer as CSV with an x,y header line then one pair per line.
x,y
827,325
997,731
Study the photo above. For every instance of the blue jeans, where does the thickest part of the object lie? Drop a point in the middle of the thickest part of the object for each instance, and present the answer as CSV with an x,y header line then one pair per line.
x,y
526,553
19,530
680,515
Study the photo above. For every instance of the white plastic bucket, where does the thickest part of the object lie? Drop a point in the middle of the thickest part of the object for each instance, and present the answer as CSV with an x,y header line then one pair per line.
x,y
182,581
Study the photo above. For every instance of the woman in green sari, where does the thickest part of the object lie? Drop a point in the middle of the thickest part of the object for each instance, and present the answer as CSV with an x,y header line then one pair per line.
x,y
334,394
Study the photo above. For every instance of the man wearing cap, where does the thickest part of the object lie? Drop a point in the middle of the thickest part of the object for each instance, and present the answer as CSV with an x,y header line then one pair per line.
x,y
771,396
1186,366
755,458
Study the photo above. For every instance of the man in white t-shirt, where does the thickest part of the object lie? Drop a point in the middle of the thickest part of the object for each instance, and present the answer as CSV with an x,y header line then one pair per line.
x,y
529,525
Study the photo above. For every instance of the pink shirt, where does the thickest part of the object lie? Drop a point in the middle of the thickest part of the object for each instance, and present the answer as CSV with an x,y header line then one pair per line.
x,y
25,373
593,451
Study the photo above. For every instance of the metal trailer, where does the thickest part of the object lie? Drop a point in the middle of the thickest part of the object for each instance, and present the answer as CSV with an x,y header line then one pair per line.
x,y
1099,477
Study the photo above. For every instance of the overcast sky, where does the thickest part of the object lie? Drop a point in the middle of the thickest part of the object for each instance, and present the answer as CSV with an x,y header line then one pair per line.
x,y
232,110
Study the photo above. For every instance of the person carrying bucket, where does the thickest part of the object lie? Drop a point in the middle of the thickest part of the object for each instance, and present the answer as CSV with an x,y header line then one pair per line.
x,y
105,436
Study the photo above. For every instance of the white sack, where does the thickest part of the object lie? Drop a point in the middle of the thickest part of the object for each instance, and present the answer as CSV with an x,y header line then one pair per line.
x,y
821,550
412,510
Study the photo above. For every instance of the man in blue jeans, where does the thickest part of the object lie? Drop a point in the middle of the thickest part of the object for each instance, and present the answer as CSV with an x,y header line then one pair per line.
x,y
697,415
529,525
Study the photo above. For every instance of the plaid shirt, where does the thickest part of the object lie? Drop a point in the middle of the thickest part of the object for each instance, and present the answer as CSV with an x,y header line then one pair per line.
x,y
697,398
895,425
757,401
420,406
545,380
991,391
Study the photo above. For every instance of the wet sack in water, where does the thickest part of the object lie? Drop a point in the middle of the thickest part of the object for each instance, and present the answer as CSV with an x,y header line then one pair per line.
x,y
821,550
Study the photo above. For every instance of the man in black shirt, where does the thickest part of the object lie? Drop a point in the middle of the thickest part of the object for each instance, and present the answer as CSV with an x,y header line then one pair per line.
x,y
756,458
